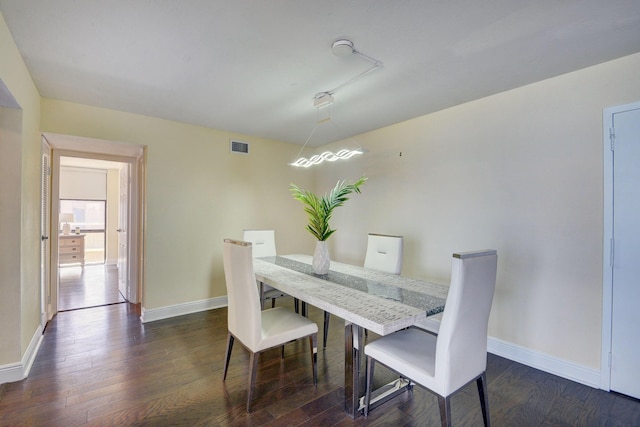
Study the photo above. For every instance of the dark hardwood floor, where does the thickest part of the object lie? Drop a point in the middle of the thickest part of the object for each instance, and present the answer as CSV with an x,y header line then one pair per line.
x,y
101,366
88,286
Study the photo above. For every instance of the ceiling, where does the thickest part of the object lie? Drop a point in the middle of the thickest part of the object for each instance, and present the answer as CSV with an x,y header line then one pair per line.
x,y
254,66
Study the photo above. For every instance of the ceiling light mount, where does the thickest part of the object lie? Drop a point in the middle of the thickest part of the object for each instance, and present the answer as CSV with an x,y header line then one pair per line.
x,y
322,99
342,47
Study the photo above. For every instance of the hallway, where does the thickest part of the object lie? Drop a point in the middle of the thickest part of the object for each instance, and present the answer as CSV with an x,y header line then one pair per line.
x,y
88,286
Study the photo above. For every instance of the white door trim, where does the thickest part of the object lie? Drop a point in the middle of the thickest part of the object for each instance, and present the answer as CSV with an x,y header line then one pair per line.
x,y
607,236
104,150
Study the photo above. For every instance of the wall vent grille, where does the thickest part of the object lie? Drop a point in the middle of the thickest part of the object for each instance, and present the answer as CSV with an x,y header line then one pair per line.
x,y
239,147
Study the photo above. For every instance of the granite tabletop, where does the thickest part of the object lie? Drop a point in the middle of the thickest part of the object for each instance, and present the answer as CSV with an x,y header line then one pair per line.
x,y
380,302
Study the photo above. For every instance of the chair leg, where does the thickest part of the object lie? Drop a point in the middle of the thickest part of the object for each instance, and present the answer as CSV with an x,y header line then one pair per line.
x,y
445,411
253,367
261,290
313,343
273,302
327,316
230,339
369,386
484,398
296,305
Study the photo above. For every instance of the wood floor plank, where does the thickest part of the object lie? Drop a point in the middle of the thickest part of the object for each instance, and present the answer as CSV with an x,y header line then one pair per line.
x,y
100,366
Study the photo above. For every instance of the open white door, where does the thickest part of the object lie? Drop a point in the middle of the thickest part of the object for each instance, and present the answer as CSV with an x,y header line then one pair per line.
x,y
45,242
622,274
124,283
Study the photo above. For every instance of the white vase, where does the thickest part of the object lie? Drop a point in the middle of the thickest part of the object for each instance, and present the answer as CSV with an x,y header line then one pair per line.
x,y
321,258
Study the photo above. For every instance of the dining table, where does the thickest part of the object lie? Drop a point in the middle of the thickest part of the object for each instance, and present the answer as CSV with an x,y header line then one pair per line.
x,y
379,302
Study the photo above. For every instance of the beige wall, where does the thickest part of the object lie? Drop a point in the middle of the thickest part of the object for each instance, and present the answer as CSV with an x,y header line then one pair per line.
x,y
198,193
10,202
521,172
23,230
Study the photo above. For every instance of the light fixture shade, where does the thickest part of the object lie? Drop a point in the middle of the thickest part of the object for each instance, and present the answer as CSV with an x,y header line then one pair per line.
x,y
67,217
327,156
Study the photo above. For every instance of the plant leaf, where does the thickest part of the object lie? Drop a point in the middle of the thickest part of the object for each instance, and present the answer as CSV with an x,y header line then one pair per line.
x,y
320,209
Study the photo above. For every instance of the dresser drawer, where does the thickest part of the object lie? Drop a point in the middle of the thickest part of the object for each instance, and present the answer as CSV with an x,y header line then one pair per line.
x,y
71,249
69,258
73,242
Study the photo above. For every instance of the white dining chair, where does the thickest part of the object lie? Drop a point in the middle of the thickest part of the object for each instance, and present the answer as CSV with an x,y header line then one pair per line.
x,y
258,330
264,245
446,362
384,253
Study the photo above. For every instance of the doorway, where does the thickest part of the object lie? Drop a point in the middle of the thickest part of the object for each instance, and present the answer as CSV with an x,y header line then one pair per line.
x,y
88,244
620,371
95,272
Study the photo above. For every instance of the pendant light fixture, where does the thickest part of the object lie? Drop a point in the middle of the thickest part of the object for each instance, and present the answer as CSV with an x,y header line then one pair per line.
x,y
323,100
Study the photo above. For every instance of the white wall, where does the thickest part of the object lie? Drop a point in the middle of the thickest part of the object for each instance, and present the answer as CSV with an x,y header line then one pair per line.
x,y
521,172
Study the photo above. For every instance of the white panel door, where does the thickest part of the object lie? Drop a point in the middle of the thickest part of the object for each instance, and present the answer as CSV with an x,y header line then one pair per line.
x,y
123,234
625,319
45,256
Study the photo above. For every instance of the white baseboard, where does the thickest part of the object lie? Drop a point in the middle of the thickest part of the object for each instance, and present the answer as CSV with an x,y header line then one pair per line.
x,y
17,371
545,362
154,314
11,372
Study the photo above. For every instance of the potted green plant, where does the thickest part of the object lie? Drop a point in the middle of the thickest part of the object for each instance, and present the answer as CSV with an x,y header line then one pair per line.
x,y
319,211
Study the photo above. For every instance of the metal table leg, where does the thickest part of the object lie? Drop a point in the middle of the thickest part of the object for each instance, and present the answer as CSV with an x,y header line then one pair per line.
x,y
352,348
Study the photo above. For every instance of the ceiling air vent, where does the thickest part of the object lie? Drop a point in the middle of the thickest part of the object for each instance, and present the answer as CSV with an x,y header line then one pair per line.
x,y
239,147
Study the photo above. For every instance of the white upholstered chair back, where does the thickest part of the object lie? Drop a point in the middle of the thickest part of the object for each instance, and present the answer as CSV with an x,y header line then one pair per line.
x,y
244,319
263,242
461,349
384,253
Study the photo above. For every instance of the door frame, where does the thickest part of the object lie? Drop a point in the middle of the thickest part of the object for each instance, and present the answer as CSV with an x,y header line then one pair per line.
x,y
607,241
134,155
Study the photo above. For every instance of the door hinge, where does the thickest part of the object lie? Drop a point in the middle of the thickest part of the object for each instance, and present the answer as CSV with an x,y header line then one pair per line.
x,y
611,247
612,137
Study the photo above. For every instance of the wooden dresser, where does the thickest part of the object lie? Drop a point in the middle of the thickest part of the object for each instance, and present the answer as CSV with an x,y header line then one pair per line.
x,y
71,249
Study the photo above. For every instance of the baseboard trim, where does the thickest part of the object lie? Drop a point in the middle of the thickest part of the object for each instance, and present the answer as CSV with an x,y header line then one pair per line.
x,y
18,371
11,372
151,315
545,362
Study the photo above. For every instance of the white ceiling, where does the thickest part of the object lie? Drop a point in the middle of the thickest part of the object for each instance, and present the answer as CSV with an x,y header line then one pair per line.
x,y
253,66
